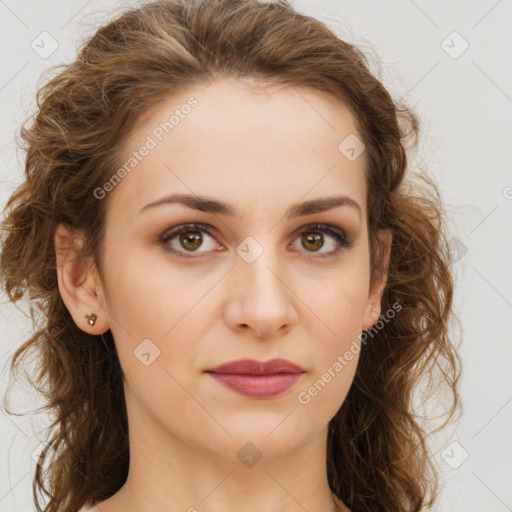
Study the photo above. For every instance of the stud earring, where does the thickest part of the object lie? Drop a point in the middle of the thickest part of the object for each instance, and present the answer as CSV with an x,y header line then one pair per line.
x,y
91,317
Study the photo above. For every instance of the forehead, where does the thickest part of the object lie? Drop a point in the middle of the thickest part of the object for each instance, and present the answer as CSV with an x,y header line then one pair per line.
x,y
253,145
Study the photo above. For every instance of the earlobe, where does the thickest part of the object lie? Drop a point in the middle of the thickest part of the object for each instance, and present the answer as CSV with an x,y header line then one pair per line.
x,y
371,316
78,286
373,309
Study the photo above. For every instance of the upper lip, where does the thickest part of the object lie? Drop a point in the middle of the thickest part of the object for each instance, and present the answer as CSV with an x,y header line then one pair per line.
x,y
255,367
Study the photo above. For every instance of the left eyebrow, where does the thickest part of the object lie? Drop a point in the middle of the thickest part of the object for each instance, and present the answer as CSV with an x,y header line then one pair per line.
x,y
210,205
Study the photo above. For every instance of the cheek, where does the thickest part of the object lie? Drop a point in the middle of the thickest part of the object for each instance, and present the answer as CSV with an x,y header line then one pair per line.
x,y
323,395
339,305
158,317
337,301
147,295
335,366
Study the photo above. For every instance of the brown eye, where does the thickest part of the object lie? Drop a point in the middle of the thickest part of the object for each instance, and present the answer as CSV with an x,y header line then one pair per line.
x,y
187,239
312,241
191,240
327,236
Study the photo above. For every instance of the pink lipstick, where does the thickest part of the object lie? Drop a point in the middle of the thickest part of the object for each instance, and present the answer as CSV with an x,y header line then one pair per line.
x,y
258,379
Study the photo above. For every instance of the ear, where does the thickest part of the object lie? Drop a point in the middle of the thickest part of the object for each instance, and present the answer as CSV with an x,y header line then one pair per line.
x,y
373,305
79,283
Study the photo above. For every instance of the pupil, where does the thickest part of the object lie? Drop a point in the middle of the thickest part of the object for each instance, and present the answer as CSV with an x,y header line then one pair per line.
x,y
312,238
187,238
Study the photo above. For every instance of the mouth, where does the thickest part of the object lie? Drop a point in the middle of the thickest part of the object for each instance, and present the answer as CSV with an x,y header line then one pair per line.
x,y
258,379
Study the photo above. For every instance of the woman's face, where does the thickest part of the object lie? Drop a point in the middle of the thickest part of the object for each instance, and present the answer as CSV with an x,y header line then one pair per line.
x,y
248,282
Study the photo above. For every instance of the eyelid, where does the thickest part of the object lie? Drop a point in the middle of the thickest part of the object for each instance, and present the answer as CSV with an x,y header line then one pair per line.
x,y
182,228
341,237
198,226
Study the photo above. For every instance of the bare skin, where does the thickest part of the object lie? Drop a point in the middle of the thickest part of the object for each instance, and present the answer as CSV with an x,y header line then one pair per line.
x,y
260,152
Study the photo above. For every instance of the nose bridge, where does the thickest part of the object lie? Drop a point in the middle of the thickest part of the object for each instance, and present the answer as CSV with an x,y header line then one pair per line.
x,y
257,264
264,299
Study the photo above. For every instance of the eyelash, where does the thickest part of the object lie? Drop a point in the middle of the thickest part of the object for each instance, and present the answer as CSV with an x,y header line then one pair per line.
x,y
338,234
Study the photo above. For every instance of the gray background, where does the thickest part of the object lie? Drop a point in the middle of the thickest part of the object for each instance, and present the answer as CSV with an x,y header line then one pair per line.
x,y
465,102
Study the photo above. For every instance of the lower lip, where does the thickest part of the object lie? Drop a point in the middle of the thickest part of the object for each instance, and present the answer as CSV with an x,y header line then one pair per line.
x,y
258,386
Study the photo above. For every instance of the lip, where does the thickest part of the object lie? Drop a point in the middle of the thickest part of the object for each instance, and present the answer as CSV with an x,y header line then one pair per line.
x,y
258,379
255,367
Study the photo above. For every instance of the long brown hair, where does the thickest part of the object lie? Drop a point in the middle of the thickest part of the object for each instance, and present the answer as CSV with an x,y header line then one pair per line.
x,y
378,455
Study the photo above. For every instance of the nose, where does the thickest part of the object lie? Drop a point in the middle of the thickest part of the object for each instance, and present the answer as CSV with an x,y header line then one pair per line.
x,y
261,300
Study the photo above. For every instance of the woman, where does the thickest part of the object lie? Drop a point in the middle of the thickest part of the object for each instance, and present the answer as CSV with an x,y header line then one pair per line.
x,y
242,284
